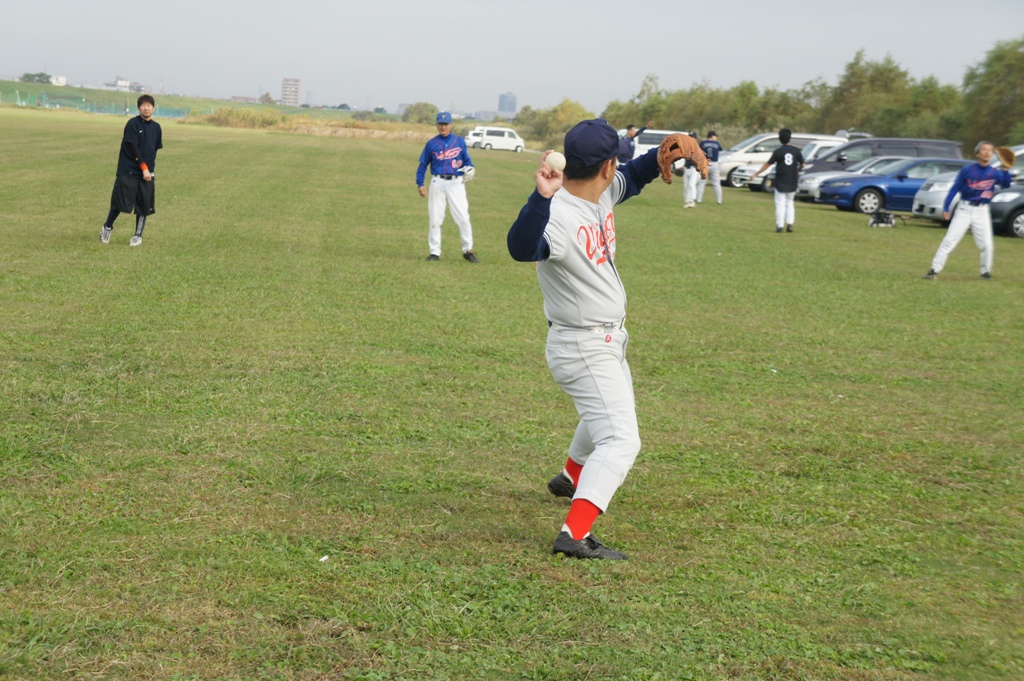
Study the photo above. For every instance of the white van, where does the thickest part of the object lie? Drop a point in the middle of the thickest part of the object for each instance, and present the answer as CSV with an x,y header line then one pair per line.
x,y
758,149
495,138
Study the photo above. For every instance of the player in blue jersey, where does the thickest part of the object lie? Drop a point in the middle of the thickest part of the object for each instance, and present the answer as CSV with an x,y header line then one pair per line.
x,y
976,184
450,168
627,143
711,148
134,187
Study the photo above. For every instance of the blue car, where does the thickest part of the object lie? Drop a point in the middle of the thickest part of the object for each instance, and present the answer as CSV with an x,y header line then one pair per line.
x,y
889,187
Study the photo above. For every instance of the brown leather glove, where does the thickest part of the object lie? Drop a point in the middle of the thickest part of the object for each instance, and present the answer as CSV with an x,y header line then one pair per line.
x,y
1006,156
679,146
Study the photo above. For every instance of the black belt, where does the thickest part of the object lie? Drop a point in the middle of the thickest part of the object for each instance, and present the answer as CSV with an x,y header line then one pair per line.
x,y
975,203
446,177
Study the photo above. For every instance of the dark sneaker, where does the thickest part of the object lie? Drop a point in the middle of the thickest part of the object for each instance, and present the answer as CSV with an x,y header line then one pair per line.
x,y
986,275
789,228
468,255
778,230
561,486
931,274
588,547
432,257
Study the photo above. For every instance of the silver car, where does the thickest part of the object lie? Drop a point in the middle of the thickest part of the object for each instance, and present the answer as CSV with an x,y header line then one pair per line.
x,y
809,184
929,199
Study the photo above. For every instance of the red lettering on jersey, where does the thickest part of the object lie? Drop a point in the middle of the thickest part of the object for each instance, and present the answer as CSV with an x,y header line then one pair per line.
x,y
592,239
448,154
608,338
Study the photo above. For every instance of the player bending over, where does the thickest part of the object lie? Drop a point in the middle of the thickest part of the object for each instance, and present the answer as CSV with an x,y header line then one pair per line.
x,y
567,226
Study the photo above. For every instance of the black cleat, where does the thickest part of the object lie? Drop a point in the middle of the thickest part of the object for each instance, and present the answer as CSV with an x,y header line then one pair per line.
x,y
432,257
468,255
789,228
778,230
986,275
561,486
931,274
588,547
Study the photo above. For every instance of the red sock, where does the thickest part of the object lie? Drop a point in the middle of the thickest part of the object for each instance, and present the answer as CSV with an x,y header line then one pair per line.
x,y
573,469
582,515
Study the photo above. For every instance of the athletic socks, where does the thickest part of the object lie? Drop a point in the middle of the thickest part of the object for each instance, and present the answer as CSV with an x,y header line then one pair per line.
x,y
140,225
110,218
582,515
572,471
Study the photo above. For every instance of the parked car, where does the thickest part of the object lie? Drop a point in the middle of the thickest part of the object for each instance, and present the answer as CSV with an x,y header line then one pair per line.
x,y
473,138
758,149
807,188
649,139
931,196
1007,210
892,187
495,138
854,151
766,181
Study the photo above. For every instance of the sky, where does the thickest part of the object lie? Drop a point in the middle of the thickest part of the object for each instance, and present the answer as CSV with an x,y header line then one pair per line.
x,y
462,54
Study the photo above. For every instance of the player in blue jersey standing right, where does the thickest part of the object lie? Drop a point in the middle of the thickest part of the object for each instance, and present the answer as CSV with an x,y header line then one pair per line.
x,y
975,184
450,168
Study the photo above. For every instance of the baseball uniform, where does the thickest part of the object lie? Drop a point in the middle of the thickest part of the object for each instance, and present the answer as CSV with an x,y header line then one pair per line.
x,y
711,149
447,157
787,160
975,184
574,243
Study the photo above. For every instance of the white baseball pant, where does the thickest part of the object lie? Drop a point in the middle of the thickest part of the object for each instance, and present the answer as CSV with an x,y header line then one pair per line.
x,y
714,179
591,367
978,220
785,208
451,194
690,178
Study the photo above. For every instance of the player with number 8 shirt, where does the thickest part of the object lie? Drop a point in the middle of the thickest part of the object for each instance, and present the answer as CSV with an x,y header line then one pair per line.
x,y
788,162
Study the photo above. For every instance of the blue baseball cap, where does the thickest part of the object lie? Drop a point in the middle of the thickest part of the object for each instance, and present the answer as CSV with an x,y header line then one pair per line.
x,y
591,142
444,117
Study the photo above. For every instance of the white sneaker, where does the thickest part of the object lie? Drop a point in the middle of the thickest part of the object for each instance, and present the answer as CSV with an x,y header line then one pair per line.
x,y
105,234
136,241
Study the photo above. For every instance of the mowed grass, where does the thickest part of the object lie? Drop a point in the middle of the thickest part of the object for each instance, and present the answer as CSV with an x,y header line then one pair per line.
x,y
275,443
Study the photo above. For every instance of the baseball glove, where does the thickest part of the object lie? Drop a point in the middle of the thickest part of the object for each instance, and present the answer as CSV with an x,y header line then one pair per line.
x,y
1006,157
468,173
678,146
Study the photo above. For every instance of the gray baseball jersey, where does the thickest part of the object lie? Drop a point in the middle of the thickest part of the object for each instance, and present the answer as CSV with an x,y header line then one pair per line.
x,y
580,283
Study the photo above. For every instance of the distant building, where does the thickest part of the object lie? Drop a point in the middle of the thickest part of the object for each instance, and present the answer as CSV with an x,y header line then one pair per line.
x,y
290,91
507,105
122,84
59,81
248,100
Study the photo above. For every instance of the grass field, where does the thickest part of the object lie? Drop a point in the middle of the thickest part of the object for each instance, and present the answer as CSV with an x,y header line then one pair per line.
x,y
275,443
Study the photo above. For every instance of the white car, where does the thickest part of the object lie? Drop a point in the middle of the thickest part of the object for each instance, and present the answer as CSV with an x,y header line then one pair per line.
x,y
930,198
766,180
758,149
807,187
495,138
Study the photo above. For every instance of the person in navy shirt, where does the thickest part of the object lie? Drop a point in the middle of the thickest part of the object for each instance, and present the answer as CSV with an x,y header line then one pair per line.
x,y
450,167
134,186
976,184
627,143
711,148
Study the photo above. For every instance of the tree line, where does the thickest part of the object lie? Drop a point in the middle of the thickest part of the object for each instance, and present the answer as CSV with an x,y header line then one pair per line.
x,y
877,97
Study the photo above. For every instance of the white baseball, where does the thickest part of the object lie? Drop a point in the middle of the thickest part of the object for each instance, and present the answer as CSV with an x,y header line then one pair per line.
x,y
555,160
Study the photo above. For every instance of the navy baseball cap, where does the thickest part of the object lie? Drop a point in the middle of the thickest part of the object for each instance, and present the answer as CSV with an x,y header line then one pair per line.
x,y
444,117
591,142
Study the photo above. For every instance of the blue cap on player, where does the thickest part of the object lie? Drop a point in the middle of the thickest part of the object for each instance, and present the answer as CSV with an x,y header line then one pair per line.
x,y
444,117
591,142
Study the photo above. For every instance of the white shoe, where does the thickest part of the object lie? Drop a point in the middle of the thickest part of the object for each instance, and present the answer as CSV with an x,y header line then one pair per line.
x,y
105,234
136,241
